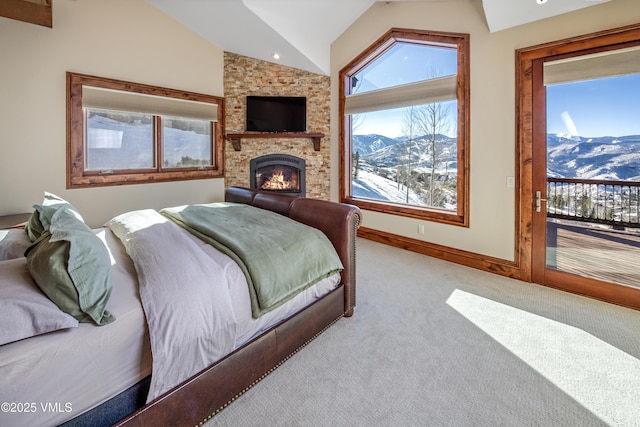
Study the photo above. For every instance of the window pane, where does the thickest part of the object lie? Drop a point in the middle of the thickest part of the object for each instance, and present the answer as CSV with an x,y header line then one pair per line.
x,y
601,111
406,63
118,140
118,146
593,150
406,155
186,143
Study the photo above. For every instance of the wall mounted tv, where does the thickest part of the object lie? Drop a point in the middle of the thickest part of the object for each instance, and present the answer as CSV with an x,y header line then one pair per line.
x,y
277,113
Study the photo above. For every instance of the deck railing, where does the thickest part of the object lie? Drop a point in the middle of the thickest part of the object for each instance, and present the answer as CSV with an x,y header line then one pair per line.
x,y
615,203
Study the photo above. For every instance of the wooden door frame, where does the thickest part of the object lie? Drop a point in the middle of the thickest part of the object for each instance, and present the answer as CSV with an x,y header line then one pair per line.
x,y
529,63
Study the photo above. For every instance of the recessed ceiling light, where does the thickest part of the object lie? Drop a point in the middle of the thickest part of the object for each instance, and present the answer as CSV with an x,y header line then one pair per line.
x,y
276,56
541,1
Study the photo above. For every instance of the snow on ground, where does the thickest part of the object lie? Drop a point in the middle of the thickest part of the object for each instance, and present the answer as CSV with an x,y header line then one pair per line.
x,y
372,186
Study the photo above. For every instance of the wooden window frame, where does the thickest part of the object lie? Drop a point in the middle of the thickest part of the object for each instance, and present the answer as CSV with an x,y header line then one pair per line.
x,y
461,216
78,177
33,12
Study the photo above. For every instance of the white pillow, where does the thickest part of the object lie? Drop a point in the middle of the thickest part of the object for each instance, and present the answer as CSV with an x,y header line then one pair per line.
x,y
13,243
24,310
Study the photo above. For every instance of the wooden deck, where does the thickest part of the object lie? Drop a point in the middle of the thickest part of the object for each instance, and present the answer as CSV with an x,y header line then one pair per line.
x,y
598,253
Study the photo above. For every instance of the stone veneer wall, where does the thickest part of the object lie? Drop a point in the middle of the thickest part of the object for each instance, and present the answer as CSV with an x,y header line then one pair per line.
x,y
249,76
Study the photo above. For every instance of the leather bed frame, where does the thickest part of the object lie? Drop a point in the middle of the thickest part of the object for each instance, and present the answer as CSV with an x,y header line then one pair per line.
x,y
201,397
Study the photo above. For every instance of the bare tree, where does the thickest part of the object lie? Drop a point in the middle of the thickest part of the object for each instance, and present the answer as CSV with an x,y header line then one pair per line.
x,y
433,122
410,128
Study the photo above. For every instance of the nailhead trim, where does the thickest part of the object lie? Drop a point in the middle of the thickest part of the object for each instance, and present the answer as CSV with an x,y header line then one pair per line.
x,y
266,373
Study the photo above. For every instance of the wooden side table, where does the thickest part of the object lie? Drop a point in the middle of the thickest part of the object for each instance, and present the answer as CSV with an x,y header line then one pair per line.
x,y
14,221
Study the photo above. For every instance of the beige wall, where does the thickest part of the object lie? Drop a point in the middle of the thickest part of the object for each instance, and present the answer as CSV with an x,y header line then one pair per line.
x,y
492,214
123,39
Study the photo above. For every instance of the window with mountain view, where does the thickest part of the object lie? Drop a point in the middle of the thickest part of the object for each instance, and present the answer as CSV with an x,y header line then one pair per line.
x,y
405,119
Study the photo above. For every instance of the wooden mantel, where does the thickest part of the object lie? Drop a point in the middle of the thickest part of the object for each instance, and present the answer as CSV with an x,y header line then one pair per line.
x,y
236,138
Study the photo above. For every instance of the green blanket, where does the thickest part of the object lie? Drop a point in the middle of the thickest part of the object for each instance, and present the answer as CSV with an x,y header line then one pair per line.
x,y
279,256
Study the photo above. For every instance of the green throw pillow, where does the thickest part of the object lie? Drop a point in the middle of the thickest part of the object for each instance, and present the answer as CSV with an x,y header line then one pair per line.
x,y
34,227
41,217
71,265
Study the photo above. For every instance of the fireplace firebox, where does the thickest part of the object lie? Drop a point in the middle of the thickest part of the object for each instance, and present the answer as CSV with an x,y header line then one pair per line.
x,y
281,173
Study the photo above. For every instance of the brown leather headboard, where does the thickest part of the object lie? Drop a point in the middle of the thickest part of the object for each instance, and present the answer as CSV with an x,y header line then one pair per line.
x,y
338,221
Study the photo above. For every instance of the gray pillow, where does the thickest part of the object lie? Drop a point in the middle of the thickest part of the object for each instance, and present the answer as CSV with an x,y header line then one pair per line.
x,y
13,243
24,310
71,265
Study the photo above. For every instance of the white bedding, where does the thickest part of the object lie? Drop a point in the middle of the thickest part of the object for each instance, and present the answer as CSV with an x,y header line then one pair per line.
x,y
81,367
67,372
190,311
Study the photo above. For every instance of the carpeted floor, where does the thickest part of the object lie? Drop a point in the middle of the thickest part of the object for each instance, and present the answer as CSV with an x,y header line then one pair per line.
x,y
437,344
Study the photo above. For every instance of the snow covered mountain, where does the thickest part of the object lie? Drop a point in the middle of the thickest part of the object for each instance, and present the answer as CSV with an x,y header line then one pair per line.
x,y
367,144
605,158
381,157
384,152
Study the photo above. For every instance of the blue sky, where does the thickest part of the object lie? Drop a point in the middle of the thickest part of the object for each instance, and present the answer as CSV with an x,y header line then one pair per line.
x,y
407,63
401,64
602,107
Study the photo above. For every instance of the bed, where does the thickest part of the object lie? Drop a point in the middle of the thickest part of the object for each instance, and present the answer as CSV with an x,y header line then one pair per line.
x,y
86,374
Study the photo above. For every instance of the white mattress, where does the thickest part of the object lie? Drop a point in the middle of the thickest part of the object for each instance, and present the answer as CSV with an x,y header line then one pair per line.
x,y
58,376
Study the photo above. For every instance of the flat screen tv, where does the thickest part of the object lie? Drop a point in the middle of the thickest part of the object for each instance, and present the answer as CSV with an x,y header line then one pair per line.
x,y
277,113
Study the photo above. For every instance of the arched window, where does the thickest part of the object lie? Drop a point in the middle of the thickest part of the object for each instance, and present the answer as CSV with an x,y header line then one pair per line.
x,y
404,111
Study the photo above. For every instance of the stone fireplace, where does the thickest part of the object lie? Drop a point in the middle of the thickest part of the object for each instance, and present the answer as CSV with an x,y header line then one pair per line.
x,y
281,173
245,76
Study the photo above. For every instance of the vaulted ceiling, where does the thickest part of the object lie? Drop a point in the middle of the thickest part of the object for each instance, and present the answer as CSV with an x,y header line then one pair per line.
x,y
301,31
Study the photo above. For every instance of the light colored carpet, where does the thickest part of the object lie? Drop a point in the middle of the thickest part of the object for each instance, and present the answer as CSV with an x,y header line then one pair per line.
x,y
437,344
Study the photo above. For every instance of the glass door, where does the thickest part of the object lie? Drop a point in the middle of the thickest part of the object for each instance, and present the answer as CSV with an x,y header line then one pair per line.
x,y
586,173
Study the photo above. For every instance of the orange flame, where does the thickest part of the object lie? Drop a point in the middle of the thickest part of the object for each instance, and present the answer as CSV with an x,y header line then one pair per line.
x,y
277,181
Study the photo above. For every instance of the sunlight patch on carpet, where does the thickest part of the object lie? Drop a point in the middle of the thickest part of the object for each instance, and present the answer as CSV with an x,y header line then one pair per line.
x,y
599,376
